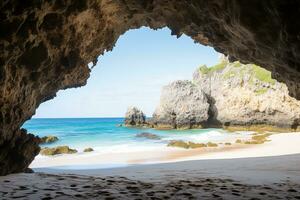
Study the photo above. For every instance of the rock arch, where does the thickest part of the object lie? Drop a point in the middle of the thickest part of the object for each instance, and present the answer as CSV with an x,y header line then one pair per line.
x,y
46,46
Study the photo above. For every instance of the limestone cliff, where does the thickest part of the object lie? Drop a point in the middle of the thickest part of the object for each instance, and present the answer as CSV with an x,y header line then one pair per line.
x,y
182,106
237,95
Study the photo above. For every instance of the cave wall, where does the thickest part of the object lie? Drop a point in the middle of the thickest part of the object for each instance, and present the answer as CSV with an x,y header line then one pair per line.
x,y
45,46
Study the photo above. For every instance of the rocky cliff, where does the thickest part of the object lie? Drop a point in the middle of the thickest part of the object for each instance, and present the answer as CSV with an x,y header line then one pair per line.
x,y
228,94
182,106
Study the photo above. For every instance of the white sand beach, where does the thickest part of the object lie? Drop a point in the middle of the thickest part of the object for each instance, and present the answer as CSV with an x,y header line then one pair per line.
x,y
254,177
279,144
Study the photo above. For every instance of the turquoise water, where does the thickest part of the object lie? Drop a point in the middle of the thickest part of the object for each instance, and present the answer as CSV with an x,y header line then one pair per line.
x,y
103,134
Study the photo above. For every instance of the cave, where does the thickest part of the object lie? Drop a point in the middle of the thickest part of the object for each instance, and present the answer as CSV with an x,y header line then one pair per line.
x,y
46,47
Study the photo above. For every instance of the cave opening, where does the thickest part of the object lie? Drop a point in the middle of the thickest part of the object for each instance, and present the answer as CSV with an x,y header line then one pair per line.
x,y
180,96
46,46
142,62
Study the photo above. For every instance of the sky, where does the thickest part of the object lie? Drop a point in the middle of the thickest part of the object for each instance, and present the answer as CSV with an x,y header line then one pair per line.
x,y
133,74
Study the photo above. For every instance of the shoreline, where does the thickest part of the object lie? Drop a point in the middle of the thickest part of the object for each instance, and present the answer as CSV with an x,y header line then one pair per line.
x,y
280,144
209,177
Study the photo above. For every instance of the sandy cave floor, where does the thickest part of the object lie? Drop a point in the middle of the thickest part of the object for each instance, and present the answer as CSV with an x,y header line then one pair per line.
x,y
276,177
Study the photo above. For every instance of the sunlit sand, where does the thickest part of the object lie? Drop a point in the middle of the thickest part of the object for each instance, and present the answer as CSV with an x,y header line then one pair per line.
x,y
278,144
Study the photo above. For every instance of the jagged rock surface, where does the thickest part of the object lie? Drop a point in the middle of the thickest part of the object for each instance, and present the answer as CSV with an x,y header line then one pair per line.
x,y
182,105
227,94
247,95
134,117
46,46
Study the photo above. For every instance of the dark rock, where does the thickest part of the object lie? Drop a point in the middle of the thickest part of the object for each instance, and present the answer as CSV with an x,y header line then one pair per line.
x,y
148,136
28,171
18,153
89,149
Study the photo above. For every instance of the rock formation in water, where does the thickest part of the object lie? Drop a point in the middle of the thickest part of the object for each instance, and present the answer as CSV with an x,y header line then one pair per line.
x,y
146,135
182,106
46,47
134,117
89,149
57,150
49,139
228,94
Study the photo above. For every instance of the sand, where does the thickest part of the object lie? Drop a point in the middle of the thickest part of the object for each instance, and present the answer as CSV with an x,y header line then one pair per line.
x,y
259,175
279,144
275,177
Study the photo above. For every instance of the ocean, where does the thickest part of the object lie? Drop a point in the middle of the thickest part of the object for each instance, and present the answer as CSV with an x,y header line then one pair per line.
x,y
103,134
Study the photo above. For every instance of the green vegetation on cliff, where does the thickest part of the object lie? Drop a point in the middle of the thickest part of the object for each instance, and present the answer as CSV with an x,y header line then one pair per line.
x,y
241,70
262,74
261,91
220,66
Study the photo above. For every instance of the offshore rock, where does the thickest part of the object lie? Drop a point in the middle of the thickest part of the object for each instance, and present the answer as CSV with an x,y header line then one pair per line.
x,y
49,139
57,150
150,136
134,117
89,149
182,105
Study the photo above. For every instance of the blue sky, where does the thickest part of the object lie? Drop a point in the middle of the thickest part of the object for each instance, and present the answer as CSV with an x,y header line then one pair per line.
x,y
142,61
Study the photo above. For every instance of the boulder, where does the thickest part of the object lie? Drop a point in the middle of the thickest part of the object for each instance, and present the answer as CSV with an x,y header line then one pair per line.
x,y
190,145
134,117
182,105
49,139
178,143
57,150
89,149
148,136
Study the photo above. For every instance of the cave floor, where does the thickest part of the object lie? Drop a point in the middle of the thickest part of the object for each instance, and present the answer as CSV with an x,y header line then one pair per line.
x,y
275,177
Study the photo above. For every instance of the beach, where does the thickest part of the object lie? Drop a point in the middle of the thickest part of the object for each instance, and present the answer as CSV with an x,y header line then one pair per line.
x,y
273,177
278,144
238,171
